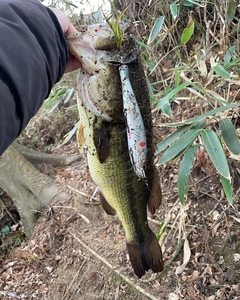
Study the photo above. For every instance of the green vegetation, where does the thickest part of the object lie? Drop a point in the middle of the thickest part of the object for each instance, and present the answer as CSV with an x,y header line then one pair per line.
x,y
206,77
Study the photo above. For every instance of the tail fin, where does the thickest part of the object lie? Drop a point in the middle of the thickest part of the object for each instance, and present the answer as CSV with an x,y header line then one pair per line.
x,y
146,255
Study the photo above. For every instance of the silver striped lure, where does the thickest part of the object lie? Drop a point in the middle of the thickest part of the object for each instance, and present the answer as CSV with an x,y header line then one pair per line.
x,y
136,135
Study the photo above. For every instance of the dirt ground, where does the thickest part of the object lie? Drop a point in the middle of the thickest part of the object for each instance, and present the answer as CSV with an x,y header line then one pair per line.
x,y
78,252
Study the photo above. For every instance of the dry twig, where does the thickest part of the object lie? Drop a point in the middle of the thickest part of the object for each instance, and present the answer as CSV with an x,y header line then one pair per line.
x,y
8,212
117,272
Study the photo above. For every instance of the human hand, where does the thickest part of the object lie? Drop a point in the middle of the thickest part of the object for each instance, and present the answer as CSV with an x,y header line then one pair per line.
x,y
67,27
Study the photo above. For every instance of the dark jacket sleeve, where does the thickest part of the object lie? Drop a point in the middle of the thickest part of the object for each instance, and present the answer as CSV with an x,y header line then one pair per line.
x,y
33,57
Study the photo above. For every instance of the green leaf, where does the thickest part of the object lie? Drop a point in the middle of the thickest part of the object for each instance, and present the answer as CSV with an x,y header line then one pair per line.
x,y
215,152
174,9
54,100
5,230
184,141
177,79
59,100
231,11
166,109
69,94
116,27
233,63
187,33
235,29
184,171
221,71
199,125
229,54
141,44
170,95
192,3
227,187
150,89
201,117
162,229
155,30
70,134
170,139
229,135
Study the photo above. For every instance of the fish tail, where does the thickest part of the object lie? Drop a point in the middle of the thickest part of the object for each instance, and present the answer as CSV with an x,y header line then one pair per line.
x,y
145,255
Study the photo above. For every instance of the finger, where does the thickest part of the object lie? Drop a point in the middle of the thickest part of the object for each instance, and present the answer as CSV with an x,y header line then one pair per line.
x,y
71,28
73,64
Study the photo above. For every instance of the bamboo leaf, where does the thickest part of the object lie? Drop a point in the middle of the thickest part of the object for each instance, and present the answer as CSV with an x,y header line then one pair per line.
x,y
188,31
70,134
170,95
216,96
229,54
166,109
176,148
229,135
68,95
177,79
186,257
170,139
184,171
231,11
155,29
150,89
232,63
174,9
162,229
187,34
201,117
175,135
221,71
215,152
5,230
227,187
192,3
199,125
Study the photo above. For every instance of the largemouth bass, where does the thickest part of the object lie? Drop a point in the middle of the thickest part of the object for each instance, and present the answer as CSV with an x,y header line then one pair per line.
x,y
128,182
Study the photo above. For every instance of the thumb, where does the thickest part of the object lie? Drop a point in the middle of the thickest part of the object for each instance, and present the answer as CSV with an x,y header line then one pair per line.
x,y
67,26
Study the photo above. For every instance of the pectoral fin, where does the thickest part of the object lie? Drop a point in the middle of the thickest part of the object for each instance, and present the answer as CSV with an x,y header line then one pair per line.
x,y
106,206
155,198
100,139
80,137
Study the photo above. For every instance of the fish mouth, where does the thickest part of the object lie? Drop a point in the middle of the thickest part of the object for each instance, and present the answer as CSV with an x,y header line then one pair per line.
x,y
122,57
95,45
98,86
